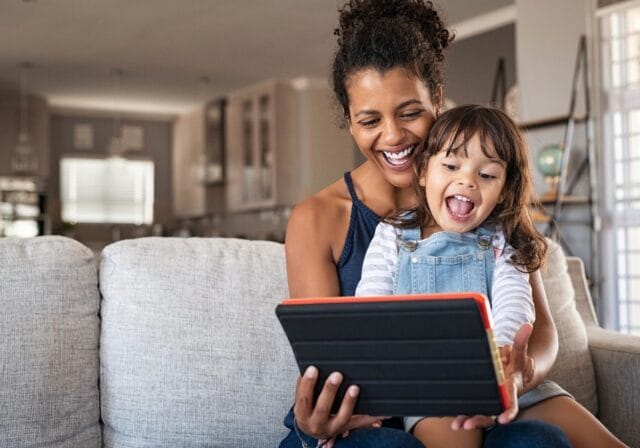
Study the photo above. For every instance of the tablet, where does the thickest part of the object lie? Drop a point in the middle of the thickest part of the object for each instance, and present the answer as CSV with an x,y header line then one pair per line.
x,y
414,355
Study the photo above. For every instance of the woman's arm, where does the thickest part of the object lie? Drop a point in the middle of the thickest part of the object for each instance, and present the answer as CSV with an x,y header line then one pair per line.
x,y
530,359
543,344
311,272
311,269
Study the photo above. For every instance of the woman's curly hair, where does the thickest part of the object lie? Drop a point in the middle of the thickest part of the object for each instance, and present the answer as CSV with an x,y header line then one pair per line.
x,y
385,34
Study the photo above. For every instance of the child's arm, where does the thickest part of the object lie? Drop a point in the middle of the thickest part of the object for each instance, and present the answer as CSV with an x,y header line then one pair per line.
x,y
511,300
379,265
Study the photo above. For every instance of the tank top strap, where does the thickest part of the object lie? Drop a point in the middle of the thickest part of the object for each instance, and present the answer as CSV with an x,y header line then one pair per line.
x,y
368,214
362,226
349,182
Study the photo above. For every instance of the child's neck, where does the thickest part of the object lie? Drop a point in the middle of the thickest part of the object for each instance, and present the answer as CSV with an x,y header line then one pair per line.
x,y
429,229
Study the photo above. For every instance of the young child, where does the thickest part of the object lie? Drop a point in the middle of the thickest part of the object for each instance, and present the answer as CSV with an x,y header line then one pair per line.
x,y
470,231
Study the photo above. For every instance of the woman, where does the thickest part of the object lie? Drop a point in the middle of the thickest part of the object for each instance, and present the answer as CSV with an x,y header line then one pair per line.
x,y
387,76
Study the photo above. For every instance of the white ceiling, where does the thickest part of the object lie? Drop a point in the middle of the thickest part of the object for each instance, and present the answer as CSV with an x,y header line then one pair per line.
x,y
175,54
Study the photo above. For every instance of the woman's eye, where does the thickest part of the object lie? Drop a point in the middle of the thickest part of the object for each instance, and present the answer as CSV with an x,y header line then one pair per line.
x,y
369,123
409,115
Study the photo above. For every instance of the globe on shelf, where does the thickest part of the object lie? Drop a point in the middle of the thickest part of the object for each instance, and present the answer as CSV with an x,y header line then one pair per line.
x,y
549,163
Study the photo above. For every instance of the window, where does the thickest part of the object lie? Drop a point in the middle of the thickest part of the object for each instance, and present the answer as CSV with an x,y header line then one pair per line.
x,y
620,79
113,190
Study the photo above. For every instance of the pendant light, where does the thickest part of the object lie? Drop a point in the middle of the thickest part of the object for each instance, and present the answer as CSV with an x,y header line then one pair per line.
x,y
24,161
116,147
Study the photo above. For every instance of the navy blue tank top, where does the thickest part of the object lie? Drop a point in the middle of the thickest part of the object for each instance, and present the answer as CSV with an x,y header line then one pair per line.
x,y
362,226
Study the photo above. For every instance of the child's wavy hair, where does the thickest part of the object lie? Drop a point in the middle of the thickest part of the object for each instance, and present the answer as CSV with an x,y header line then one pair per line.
x,y
451,132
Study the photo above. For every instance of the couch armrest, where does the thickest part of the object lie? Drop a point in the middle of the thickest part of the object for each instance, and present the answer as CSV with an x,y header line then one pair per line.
x,y
616,360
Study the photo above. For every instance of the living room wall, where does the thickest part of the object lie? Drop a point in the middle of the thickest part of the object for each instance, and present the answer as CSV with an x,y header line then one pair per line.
x,y
157,147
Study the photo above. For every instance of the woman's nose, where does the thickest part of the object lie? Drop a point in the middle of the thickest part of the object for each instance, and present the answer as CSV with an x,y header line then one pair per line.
x,y
393,133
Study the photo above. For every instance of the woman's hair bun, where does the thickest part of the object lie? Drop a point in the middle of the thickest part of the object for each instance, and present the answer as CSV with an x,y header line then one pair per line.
x,y
422,16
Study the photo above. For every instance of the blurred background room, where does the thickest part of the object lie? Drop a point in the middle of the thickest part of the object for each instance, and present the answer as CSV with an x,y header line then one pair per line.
x,y
213,118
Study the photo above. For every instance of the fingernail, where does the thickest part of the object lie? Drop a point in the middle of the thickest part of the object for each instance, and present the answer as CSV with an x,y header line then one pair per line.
x,y
311,372
353,391
335,378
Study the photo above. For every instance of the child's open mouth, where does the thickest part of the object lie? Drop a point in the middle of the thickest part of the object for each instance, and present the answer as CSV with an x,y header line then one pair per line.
x,y
460,206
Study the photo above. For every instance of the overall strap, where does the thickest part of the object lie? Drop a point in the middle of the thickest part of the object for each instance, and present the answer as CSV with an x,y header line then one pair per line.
x,y
412,234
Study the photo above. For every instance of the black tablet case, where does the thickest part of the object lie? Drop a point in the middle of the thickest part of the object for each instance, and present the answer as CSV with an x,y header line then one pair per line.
x,y
427,355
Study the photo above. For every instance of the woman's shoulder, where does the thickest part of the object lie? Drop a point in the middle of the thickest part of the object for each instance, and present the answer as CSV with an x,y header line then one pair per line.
x,y
326,205
323,218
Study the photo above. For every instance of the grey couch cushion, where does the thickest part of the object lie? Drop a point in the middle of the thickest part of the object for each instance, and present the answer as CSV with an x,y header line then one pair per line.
x,y
49,328
192,353
573,369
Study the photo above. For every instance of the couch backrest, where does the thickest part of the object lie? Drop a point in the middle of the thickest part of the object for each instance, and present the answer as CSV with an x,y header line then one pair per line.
x,y
191,351
573,368
49,331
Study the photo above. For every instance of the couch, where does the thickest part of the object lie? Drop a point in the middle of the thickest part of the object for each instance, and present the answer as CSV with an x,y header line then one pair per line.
x,y
169,342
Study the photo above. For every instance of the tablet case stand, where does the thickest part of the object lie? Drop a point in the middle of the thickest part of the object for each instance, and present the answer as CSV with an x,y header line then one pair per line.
x,y
422,355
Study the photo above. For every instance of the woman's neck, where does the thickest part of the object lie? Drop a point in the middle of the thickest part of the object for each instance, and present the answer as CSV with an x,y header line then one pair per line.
x,y
375,191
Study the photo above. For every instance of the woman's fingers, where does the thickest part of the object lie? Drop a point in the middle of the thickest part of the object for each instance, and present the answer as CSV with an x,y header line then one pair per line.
x,y
317,420
518,358
458,422
472,422
303,407
341,421
513,382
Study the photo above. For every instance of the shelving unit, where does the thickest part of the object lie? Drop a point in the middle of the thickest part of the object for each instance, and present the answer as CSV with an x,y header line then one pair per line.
x,y
554,209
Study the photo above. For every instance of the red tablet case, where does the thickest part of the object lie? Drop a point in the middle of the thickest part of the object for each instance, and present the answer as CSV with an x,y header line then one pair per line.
x,y
424,354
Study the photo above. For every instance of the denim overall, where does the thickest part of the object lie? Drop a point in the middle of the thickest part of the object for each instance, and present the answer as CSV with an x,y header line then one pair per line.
x,y
445,262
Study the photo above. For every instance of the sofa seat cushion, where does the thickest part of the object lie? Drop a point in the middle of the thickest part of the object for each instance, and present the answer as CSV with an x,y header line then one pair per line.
x,y
573,369
191,353
49,328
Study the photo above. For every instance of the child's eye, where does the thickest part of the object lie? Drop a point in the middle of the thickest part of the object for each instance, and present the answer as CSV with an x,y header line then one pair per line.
x,y
449,166
487,176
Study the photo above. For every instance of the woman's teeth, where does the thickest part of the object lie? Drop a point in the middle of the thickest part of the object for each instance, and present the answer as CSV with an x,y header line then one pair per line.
x,y
398,157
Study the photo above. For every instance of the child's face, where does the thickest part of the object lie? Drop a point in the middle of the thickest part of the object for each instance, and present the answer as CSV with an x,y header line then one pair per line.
x,y
463,189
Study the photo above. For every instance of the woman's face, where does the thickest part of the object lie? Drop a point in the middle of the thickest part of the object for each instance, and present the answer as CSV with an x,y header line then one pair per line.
x,y
390,113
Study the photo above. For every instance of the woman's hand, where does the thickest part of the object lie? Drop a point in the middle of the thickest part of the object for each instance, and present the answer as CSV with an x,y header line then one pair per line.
x,y
518,368
317,421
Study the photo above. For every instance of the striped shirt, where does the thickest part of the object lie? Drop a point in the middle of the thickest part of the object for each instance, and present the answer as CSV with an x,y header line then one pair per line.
x,y
511,300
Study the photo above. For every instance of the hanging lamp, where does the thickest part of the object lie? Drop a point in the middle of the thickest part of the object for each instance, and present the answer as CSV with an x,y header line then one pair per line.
x,y
24,161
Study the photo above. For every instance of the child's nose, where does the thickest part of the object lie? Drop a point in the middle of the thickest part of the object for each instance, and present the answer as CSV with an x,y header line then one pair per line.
x,y
466,180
